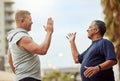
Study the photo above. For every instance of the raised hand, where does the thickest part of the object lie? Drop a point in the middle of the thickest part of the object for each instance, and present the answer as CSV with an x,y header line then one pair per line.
x,y
49,26
71,36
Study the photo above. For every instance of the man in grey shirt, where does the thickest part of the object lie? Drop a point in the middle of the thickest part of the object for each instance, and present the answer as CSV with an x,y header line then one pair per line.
x,y
23,51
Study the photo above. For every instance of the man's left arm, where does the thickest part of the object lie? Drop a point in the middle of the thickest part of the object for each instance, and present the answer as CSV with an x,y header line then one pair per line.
x,y
107,64
10,61
90,71
110,56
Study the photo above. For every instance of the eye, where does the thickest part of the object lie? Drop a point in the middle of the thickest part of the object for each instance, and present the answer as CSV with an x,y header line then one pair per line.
x,y
89,26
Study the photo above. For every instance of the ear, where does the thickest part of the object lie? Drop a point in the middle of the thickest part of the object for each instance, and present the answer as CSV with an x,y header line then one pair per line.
x,y
96,30
21,20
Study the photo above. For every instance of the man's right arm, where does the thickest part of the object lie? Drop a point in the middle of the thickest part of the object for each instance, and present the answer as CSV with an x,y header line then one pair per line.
x,y
75,53
29,45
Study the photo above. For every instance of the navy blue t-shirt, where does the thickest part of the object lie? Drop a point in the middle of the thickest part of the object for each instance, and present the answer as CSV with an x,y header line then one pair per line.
x,y
98,52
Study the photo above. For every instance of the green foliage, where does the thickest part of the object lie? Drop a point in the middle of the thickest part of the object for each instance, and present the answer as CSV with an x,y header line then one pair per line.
x,y
57,76
111,10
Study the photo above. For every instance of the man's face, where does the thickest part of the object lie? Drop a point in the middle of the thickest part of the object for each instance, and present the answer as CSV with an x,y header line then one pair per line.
x,y
28,22
91,30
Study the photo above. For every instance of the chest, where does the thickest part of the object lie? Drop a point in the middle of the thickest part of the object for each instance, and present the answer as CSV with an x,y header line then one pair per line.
x,y
95,50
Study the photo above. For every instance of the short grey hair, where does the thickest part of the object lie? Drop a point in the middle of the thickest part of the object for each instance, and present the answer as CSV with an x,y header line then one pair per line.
x,y
101,25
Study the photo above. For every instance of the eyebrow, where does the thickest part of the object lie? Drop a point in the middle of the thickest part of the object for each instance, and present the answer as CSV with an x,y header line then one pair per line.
x,y
91,25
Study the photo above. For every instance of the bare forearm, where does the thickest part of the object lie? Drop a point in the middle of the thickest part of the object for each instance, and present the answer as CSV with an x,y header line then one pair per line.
x,y
108,64
74,51
49,29
12,67
45,45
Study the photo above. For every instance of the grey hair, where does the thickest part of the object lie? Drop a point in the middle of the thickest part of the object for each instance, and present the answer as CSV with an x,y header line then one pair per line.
x,y
101,25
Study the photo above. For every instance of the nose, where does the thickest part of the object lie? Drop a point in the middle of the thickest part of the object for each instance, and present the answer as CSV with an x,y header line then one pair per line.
x,y
31,22
87,30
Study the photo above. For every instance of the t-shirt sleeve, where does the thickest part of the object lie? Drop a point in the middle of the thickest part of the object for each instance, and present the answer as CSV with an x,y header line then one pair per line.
x,y
108,50
80,57
18,36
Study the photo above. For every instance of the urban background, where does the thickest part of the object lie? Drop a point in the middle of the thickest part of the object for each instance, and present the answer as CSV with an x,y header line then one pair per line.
x,y
69,16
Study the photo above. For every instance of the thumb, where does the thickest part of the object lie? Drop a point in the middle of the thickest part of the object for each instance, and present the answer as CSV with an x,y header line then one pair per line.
x,y
43,26
85,67
74,33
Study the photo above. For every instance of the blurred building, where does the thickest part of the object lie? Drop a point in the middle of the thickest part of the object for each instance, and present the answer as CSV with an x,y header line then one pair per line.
x,y
6,76
6,24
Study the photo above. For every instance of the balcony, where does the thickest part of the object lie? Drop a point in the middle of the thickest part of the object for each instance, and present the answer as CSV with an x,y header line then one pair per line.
x,y
9,19
9,1
9,9
9,27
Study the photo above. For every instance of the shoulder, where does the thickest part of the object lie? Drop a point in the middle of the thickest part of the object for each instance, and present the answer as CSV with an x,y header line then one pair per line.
x,y
105,41
25,39
20,35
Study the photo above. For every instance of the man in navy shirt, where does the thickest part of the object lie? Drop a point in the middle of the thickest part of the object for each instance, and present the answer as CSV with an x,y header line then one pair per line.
x,y
99,58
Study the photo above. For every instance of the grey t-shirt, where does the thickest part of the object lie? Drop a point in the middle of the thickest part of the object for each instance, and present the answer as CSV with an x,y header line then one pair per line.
x,y
26,64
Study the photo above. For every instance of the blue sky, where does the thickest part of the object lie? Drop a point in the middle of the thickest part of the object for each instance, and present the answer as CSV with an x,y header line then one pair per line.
x,y
68,16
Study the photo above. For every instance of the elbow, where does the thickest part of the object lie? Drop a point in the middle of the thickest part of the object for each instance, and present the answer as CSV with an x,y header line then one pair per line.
x,y
115,62
39,51
76,61
43,52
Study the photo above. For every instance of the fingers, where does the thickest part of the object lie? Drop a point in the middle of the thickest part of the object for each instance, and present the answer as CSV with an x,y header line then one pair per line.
x,y
50,21
49,26
90,71
67,37
44,26
71,35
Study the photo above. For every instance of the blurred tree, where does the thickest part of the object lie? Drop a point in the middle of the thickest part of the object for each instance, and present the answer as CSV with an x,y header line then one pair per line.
x,y
111,10
57,76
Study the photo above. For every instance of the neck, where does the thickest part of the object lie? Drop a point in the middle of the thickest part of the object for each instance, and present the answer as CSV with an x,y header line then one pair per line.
x,y
20,26
97,37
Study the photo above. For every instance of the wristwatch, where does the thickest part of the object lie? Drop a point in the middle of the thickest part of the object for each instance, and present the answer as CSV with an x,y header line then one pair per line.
x,y
99,67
